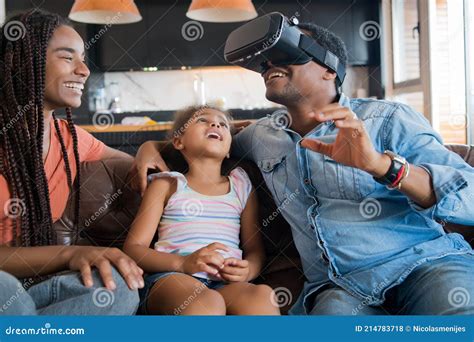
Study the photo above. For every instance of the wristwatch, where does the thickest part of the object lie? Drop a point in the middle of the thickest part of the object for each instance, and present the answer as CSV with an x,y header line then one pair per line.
x,y
395,173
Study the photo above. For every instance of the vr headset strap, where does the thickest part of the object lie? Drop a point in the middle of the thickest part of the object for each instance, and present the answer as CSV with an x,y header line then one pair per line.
x,y
322,56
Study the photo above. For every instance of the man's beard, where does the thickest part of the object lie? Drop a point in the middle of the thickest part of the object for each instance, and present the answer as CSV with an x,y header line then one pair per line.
x,y
289,96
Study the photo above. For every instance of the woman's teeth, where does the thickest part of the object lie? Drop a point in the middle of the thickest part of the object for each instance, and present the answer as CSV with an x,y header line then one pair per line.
x,y
72,85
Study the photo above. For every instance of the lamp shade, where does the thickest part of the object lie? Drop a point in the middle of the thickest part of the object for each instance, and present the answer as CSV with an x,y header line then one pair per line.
x,y
221,11
105,12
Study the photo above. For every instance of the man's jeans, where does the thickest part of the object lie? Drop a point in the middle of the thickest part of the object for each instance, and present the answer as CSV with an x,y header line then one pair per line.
x,y
441,287
66,295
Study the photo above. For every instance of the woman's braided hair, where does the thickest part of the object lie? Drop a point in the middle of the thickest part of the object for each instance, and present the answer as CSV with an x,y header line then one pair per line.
x,y
24,39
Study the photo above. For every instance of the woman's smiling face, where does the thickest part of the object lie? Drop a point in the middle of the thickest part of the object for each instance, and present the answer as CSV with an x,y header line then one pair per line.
x,y
66,71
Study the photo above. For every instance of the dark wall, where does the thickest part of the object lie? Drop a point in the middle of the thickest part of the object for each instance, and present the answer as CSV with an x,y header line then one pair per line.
x,y
159,40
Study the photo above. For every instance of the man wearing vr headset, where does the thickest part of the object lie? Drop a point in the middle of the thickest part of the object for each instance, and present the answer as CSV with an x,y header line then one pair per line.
x,y
362,182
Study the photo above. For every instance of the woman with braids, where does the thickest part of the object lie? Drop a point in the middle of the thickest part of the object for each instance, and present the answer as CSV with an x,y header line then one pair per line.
x,y
42,69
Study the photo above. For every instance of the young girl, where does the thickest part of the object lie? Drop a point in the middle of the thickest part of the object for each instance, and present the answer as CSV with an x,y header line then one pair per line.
x,y
203,219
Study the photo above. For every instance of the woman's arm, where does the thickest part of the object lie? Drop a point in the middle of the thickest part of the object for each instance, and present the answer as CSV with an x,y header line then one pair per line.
x,y
24,262
140,236
112,153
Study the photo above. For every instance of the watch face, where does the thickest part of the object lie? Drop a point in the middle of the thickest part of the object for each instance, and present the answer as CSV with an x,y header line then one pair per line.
x,y
400,159
397,164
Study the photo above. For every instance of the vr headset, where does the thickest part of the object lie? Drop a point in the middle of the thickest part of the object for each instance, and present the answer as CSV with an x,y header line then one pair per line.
x,y
276,39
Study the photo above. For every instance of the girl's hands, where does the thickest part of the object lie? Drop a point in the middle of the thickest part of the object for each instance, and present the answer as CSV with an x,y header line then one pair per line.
x,y
83,258
235,270
206,259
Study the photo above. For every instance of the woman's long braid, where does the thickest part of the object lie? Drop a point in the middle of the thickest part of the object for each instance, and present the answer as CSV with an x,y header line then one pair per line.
x,y
75,187
43,37
15,145
22,75
75,143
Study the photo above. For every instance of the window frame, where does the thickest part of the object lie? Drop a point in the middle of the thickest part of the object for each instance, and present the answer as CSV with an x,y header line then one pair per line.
x,y
426,15
469,58
421,84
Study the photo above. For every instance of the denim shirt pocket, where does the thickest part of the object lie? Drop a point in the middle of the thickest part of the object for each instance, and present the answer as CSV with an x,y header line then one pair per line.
x,y
345,182
276,176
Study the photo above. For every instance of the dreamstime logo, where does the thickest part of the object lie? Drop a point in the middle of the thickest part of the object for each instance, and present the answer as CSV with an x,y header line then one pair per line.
x,y
103,120
458,121
370,208
103,30
458,297
192,30
370,299
14,207
293,19
281,296
109,199
370,30
280,119
103,297
178,310
14,30
22,111
281,207
192,208
180,131
18,293
456,208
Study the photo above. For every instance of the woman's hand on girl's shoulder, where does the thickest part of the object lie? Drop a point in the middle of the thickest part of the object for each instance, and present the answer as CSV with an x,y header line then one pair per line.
x,y
84,258
148,158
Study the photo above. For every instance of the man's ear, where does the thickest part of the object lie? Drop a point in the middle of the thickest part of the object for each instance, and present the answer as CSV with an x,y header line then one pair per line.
x,y
329,75
177,144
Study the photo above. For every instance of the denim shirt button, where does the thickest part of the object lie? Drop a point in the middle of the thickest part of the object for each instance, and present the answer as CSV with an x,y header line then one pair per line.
x,y
306,180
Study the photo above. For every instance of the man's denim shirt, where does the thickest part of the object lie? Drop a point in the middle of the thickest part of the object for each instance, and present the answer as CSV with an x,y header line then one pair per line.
x,y
347,228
